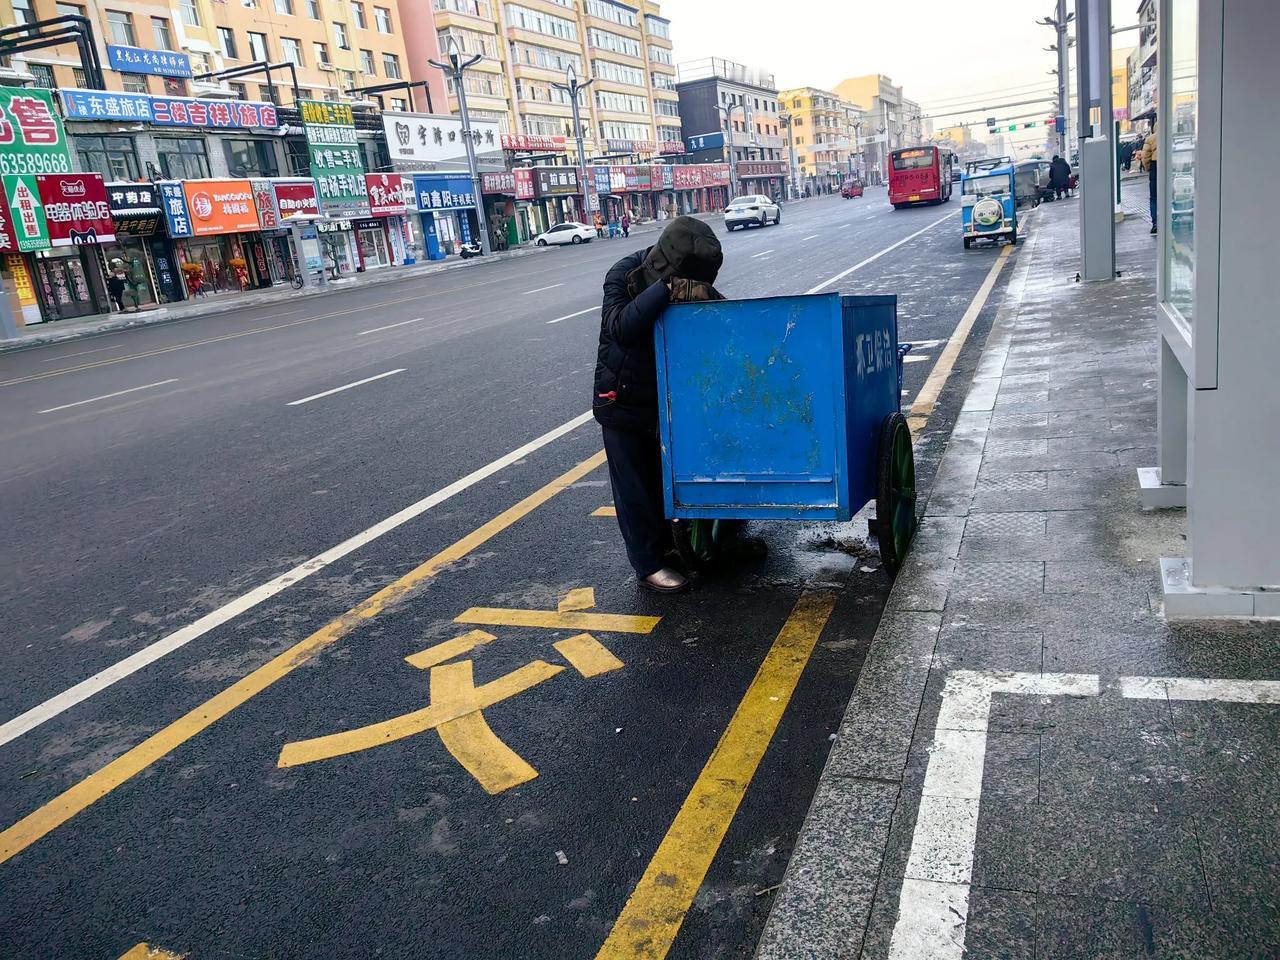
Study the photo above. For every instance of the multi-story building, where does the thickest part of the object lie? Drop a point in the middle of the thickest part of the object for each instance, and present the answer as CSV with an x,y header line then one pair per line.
x,y
731,112
891,121
825,132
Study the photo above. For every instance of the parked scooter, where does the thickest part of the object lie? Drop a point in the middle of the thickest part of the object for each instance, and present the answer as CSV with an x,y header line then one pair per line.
x,y
469,250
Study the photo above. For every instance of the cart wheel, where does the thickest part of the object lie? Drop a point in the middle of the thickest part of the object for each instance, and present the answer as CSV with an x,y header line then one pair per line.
x,y
895,491
699,542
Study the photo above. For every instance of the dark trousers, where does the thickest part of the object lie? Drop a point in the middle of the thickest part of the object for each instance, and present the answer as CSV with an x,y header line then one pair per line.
x,y
635,472
1151,187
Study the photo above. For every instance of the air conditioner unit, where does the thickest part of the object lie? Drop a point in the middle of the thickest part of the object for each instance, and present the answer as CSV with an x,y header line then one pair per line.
x,y
15,75
326,67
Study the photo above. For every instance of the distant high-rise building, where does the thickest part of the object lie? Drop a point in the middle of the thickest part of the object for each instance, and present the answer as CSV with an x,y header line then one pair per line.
x,y
826,132
890,120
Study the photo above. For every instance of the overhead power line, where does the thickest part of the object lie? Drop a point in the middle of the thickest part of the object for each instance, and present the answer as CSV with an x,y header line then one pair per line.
x,y
979,96
991,106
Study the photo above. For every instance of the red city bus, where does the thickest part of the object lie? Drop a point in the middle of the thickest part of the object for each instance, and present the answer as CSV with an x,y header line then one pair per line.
x,y
920,175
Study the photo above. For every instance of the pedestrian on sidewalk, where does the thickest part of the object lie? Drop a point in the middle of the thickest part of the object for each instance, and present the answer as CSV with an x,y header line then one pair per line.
x,y
1059,176
626,224
1149,157
598,222
683,264
116,284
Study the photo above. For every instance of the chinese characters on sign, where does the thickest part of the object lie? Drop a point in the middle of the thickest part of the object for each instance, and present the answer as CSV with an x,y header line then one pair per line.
x,y
761,168
220,206
296,198
76,208
671,146
556,181
167,111
173,203
504,183
336,163
443,193
388,193
422,141
705,141
264,198
157,63
31,136
134,208
526,143
25,228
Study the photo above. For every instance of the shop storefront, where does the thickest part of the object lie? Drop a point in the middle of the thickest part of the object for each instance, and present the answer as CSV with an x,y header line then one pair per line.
x,y
556,196
506,206
374,245
135,212
447,206
72,217
700,188
213,257
389,197
765,177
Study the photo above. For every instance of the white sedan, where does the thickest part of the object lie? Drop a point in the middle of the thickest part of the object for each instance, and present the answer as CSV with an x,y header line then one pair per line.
x,y
744,211
566,233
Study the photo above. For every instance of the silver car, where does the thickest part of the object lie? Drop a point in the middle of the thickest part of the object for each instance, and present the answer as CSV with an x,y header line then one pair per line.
x,y
744,211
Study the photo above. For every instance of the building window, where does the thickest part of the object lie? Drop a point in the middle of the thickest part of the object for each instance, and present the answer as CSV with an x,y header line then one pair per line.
x,y
257,46
616,42
617,72
269,94
43,74
662,81
397,103
296,157
78,77
382,17
160,31
357,15
657,27
366,63
537,56
227,43
666,108
313,9
134,83
474,8
321,50
113,157
660,55
182,158
340,36
240,90
190,15
525,19
284,7
612,130
291,50
391,66
488,85
68,10
621,102
22,12
546,126
604,10
251,158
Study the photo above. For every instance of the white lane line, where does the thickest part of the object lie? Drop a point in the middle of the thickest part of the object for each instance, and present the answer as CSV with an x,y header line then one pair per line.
x,y
809,237
761,254
570,316
391,326
540,289
924,344
68,356
916,358
345,386
108,396
30,719
876,256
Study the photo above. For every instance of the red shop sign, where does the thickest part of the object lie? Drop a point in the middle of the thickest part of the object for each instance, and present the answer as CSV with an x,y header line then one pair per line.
x,y
386,194
297,198
525,142
76,208
504,183
524,183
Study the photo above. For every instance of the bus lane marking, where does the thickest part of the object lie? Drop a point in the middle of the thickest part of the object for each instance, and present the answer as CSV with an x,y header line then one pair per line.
x,y
657,906
79,797
457,705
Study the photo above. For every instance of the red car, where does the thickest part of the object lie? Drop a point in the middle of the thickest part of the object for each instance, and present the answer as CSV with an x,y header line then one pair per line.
x,y
850,189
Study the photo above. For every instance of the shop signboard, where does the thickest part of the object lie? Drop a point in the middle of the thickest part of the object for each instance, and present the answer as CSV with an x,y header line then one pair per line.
x,y
443,193
524,183
761,168
705,141
499,183
309,236
695,176
601,174
173,203
135,208
617,180
32,139
296,198
335,157
631,146
156,63
89,105
662,176
220,206
389,193
529,143
671,146
16,266
556,181
637,179
25,227
264,200
423,141
76,208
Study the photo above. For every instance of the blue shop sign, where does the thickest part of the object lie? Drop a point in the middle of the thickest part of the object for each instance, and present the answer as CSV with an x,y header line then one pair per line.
x,y
443,193
105,105
167,111
601,174
704,141
157,63
174,205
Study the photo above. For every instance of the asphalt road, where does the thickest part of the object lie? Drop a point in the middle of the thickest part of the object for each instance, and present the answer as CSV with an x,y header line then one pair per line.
x,y
158,476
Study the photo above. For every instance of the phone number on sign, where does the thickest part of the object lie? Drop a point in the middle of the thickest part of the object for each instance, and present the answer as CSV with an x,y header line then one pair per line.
x,y
34,163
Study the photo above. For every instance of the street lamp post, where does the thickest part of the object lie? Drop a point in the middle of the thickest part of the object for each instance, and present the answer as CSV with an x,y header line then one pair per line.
x,y
572,87
455,68
1059,25
728,125
786,120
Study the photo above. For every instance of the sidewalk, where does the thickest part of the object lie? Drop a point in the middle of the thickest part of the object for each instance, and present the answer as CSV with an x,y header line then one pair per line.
x,y
1030,765
59,331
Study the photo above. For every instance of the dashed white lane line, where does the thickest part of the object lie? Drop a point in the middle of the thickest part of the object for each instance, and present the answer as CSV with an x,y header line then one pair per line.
x,y
762,253
916,358
30,719
108,396
390,326
876,256
540,289
809,237
924,344
570,316
81,353
345,386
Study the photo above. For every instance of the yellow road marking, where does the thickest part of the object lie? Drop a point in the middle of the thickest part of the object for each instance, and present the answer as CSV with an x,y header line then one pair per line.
x,y
144,951
196,343
928,395
588,655
605,512
419,721
456,647
97,785
554,620
468,738
657,907
581,598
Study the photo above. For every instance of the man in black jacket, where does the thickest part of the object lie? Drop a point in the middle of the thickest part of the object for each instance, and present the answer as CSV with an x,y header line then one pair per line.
x,y
687,257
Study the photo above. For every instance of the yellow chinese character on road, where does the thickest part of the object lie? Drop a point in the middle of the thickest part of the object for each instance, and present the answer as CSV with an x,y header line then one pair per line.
x,y
456,709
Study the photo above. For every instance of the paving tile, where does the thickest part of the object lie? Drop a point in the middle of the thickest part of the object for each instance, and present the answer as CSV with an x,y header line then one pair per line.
x,y
1006,524
961,649
1001,925
1032,480
987,578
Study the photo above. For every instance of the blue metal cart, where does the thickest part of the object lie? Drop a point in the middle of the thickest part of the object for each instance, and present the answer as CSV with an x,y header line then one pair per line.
x,y
784,408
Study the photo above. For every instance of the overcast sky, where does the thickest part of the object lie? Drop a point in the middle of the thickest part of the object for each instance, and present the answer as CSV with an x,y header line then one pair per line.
x,y
950,55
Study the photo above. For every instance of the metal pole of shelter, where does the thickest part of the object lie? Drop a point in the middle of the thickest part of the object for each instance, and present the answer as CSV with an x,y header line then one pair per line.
x,y
456,67
1097,150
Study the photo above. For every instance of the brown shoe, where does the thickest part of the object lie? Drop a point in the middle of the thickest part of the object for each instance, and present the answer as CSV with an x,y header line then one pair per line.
x,y
665,580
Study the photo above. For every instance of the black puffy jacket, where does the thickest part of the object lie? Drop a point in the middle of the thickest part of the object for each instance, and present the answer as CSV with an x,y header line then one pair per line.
x,y
626,381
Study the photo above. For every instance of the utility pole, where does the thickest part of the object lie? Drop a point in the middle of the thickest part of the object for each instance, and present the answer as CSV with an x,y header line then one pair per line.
x,y
786,120
733,159
455,68
572,87
1059,24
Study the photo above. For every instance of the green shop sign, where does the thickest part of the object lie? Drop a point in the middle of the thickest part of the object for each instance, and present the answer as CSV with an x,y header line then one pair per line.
x,y
335,158
27,226
32,139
